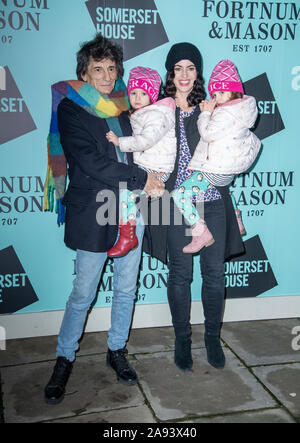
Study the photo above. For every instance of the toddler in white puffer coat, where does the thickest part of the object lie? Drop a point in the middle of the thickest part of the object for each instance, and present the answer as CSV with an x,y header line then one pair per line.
x,y
153,143
227,147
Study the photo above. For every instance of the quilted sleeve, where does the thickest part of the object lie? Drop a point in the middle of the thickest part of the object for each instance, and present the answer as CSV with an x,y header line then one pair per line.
x,y
152,127
213,127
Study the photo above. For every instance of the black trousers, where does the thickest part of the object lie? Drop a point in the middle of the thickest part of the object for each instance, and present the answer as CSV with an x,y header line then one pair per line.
x,y
212,271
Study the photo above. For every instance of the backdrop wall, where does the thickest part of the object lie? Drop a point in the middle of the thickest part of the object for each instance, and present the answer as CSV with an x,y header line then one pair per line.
x,y
38,44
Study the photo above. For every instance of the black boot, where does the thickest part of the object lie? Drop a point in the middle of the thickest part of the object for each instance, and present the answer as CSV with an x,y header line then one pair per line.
x,y
183,353
215,354
117,361
179,298
55,389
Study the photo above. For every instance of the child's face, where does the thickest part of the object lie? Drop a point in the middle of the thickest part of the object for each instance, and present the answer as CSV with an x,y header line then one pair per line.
x,y
222,97
139,98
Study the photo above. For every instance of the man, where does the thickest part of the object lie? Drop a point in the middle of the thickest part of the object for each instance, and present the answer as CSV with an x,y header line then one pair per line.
x,y
94,167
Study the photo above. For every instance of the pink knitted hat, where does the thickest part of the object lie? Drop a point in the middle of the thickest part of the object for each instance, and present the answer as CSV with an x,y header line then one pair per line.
x,y
146,79
225,78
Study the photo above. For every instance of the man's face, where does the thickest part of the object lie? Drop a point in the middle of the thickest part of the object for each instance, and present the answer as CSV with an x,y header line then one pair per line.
x,y
102,75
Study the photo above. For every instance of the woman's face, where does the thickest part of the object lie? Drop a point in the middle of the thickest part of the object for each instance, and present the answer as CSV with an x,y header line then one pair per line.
x,y
185,75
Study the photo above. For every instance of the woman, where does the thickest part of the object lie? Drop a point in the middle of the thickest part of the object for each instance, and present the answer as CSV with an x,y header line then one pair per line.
x,y
185,84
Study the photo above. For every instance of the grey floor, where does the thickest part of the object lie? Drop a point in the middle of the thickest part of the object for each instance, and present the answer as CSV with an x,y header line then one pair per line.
x,y
260,384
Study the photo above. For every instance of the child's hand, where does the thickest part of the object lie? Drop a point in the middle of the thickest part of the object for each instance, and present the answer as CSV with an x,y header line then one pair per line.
x,y
208,105
111,137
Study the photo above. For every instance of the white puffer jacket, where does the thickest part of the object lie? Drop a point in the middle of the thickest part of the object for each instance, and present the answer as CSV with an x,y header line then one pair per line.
x,y
227,145
153,142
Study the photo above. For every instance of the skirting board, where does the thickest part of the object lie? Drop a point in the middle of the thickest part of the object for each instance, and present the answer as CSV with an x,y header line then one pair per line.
x,y
147,316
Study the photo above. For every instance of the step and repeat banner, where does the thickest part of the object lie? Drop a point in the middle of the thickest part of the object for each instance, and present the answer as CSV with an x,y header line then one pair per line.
x,y
38,44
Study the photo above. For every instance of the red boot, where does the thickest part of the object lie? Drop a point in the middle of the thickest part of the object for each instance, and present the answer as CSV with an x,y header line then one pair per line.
x,y
127,240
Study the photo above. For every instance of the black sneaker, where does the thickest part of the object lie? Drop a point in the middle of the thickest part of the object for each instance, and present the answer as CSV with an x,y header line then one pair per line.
x,y
117,361
55,389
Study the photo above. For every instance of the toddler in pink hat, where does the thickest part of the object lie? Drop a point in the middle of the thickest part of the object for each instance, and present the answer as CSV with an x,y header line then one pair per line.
x,y
227,147
225,78
146,79
153,144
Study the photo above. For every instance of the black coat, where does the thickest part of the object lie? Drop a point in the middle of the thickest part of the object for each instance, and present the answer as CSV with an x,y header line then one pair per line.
x,y
92,167
158,246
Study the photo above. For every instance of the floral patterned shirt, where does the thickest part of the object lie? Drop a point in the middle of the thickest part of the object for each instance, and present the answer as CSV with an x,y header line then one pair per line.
x,y
184,159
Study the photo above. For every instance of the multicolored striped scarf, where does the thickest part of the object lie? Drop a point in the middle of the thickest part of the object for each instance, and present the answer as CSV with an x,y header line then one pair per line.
x,y
97,104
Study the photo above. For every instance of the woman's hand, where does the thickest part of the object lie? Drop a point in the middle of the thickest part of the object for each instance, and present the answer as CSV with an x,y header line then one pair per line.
x,y
111,137
154,187
208,105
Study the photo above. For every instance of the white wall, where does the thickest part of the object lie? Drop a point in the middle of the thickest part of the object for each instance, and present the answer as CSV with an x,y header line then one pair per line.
x,y
146,316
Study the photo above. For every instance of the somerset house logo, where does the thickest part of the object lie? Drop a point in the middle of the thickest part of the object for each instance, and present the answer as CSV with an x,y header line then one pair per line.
x,y
250,274
269,121
16,291
15,118
136,26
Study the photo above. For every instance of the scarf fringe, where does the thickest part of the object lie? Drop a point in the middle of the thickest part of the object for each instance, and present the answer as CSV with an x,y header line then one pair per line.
x,y
49,197
60,211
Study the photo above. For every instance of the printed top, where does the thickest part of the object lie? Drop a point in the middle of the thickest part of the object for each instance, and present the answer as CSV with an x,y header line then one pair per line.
x,y
184,159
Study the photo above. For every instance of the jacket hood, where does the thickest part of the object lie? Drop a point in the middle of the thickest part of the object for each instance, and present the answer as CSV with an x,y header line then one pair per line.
x,y
168,101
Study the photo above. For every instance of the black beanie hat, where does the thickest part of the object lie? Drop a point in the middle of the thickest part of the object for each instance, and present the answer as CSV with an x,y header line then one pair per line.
x,y
184,51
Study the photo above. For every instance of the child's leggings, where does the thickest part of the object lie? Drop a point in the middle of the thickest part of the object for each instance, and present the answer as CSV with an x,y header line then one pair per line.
x,y
194,186
127,200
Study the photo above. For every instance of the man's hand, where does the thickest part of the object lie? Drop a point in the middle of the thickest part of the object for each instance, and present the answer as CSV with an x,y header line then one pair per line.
x,y
154,187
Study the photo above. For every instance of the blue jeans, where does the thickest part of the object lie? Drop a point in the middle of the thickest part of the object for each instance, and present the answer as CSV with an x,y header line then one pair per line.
x,y
89,267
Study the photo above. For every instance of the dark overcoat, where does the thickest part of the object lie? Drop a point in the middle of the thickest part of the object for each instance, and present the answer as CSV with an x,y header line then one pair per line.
x,y
158,233
93,169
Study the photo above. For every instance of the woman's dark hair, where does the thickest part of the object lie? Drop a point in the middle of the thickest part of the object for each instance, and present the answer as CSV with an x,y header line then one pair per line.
x,y
196,95
98,49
